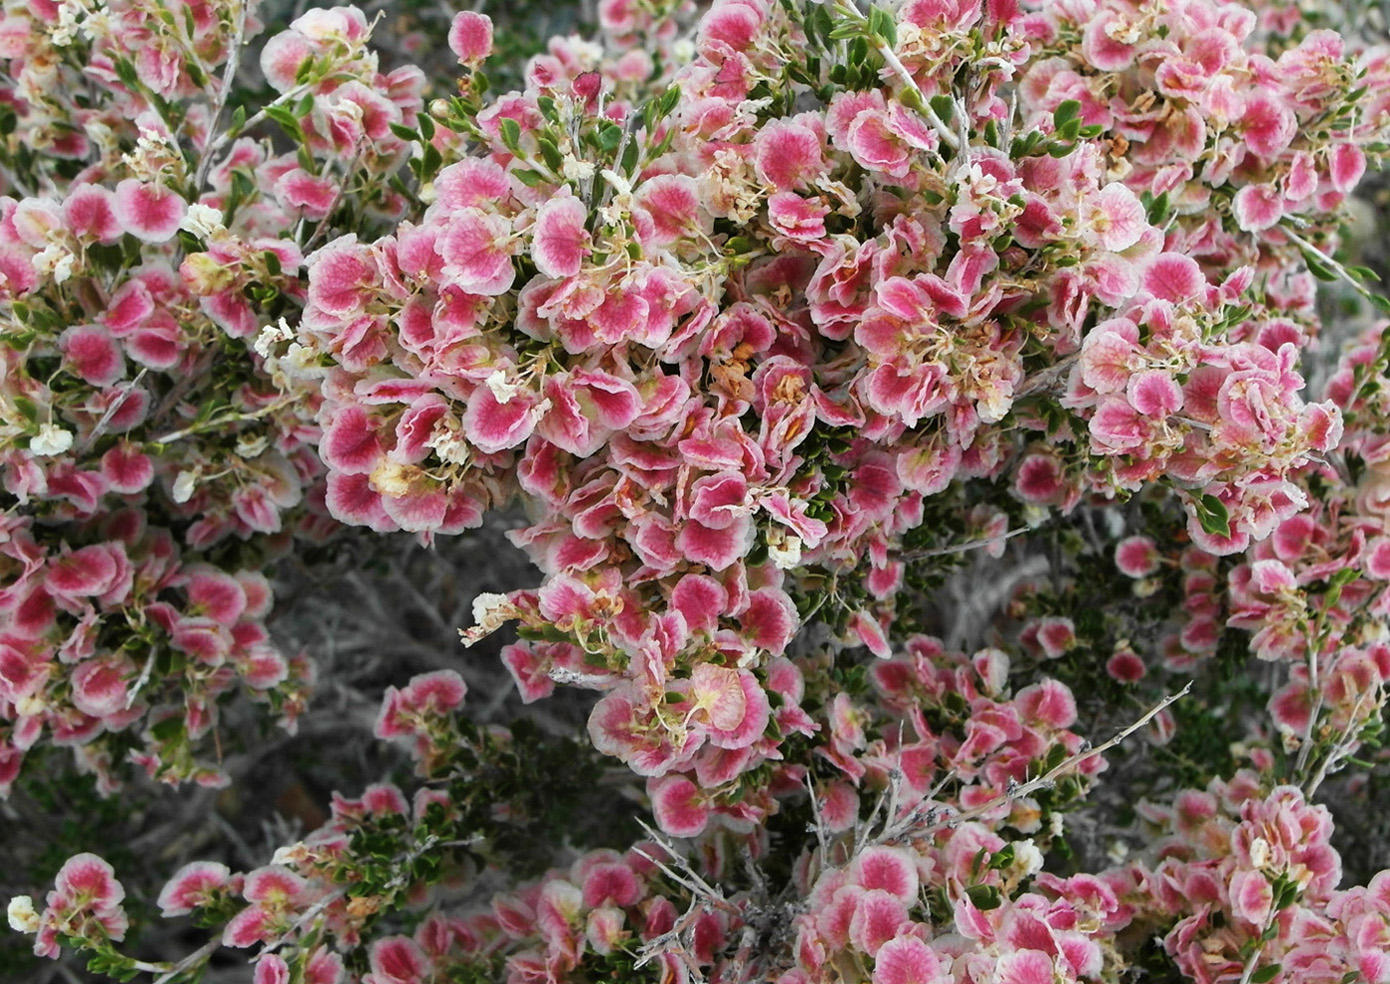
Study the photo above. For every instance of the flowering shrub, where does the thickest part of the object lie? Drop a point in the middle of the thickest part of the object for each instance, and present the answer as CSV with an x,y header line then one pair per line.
x,y
895,397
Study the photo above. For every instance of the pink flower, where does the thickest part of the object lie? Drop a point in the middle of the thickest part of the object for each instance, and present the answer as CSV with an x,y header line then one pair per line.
x,y
1269,125
470,37
476,248
126,470
717,548
1056,636
1049,703
529,670
398,960
717,501
1119,218
678,805
1024,967
88,211
673,202
878,917
788,155
195,884
151,213
492,424
1257,207
869,633
1346,165
888,868
560,242
312,194
1154,393
91,353
730,704
1136,556
797,218
1174,277
341,277
429,695
89,571
770,620
271,969
907,960
1125,666
87,880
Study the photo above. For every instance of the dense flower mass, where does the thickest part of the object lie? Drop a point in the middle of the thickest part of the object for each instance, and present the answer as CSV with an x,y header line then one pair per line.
x,y
772,317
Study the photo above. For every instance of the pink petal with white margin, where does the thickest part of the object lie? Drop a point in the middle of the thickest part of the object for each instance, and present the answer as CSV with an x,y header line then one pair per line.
x,y
678,806
1024,967
1049,702
88,878
1120,219
1257,207
126,470
1174,277
907,960
560,242
866,629
529,671
673,201
493,426
90,353
88,212
399,960
886,868
477,253
148,212
1154,393
192,885
1346,166
716,548
770,620
470,37
878,917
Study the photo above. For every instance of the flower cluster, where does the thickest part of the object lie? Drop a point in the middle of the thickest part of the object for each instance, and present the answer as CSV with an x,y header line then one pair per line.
x,y
779,323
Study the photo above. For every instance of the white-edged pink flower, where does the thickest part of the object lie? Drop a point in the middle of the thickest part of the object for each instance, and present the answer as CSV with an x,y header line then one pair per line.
x,y
559,241
470,37
678,805
149,212
195,884
907,960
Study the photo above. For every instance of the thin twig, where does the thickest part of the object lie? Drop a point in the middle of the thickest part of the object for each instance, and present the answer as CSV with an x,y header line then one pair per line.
x,y
198,956
220,104
1049,778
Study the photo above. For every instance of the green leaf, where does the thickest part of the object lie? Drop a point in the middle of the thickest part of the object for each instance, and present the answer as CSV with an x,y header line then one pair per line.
x,y
431,161
1212,515
984,897
404,132
272,262
944,106
628,164
511,134
426,126
610,135
168,729
1266,974
550,154
882,26
283,116
1066,112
